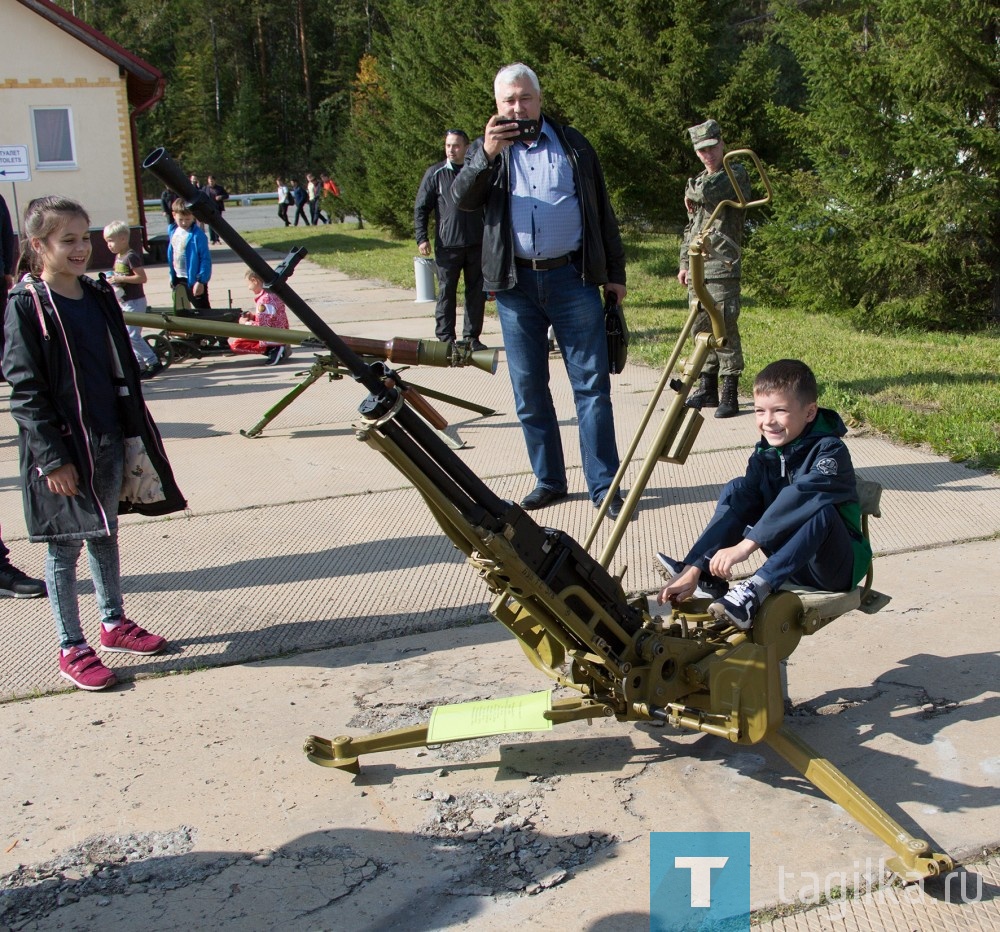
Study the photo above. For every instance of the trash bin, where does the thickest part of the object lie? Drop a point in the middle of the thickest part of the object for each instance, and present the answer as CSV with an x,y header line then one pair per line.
x,y
423,272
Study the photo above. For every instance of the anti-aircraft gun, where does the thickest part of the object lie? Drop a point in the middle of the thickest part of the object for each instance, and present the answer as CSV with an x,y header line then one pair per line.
x,y
570,614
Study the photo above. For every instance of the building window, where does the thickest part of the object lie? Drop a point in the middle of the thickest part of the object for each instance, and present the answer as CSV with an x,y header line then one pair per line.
x,y
53,129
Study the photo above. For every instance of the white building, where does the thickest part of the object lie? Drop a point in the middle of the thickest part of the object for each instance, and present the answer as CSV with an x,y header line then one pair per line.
x,y
71,96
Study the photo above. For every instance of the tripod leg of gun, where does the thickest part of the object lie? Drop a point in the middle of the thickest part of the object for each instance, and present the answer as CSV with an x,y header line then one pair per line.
x,y
455,400
915,857
343,751
315,371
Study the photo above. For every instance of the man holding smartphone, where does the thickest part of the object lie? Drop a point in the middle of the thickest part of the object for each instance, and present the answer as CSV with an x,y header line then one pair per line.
x,y
550,244
458,243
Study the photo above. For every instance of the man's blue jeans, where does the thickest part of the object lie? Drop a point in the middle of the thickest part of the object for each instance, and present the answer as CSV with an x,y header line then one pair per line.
x,y
561,298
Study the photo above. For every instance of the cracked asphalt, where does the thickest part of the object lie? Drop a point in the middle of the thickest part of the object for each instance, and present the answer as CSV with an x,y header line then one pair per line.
x,y
549,830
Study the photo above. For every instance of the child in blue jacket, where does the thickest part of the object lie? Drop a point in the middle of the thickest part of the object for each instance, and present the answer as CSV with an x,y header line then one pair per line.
x,y
797,503
188,256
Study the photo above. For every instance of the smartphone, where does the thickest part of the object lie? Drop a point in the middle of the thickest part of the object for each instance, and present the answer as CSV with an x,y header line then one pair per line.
x,y
529,129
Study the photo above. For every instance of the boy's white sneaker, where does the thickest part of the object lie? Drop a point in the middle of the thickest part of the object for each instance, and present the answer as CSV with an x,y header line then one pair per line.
x,y
739,606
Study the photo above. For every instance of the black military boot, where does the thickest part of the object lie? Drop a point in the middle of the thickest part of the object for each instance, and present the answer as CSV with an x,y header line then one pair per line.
x,y
729,406
706,395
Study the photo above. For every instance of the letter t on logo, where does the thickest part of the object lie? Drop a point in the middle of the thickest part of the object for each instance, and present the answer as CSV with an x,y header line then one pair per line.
x,y
701,877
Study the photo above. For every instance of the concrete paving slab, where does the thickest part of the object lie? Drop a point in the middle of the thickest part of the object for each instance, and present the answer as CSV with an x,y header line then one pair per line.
x,y
304,553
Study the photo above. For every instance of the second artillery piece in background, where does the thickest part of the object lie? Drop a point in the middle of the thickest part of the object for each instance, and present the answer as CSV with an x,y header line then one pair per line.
x,y
402,351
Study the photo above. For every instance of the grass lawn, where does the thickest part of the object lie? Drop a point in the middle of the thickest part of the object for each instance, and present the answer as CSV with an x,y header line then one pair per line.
x,y
936,390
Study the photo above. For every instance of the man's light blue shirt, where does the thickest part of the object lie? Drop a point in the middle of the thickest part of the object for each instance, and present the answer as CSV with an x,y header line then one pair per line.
x,y
544,208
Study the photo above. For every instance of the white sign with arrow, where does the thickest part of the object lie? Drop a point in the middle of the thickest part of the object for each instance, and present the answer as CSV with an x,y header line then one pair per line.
x,y
14,163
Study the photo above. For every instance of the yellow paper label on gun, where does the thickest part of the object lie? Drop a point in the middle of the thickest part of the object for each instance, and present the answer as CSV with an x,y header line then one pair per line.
x,y
465,720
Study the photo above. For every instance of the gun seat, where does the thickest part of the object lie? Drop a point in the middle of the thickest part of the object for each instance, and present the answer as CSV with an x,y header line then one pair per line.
x,y
821,607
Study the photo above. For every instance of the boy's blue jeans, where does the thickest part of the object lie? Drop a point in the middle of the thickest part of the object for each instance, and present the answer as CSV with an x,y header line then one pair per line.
x,y
561,298
818,554
102,552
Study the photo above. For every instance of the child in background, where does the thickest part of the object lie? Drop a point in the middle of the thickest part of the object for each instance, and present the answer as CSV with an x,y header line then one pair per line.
x,y
129,276
269,311
88,448
284,201
797,503
300,199
188,257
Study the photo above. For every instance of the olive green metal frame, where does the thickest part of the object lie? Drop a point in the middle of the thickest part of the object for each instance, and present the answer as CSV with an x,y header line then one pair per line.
x,y
570,615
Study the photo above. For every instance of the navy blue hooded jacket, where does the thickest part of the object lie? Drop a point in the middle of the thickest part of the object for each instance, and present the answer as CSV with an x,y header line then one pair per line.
x,y
785,486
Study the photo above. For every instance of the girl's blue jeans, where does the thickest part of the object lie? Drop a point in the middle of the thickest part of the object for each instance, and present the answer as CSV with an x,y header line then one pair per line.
x,y
102,552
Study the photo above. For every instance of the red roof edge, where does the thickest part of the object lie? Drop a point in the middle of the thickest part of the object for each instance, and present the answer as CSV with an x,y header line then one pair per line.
x,y
144,83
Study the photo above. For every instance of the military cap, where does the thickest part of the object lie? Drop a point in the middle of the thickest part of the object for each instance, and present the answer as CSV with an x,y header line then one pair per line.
x,y
705,134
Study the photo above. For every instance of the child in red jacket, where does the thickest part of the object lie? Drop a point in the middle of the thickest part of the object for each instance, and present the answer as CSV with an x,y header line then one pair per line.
x,y
269,311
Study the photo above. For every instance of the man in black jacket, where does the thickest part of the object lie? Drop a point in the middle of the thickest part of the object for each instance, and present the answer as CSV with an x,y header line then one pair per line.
x,y
458,243
550,243
219,195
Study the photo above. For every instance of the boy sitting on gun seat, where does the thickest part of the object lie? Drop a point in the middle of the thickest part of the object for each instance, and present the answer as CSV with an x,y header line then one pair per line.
x,y
797,503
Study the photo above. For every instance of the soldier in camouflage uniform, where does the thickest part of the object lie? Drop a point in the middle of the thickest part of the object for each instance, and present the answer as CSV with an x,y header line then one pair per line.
x,y
722,268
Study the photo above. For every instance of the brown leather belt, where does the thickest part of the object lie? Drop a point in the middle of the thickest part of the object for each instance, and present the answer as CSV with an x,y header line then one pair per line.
x,y
543,265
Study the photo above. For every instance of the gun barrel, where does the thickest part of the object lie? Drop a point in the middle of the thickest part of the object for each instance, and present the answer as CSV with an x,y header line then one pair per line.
x,y
403,351
203,207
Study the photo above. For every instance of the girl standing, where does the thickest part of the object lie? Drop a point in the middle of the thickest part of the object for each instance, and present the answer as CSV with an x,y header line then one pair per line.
x,y
77,400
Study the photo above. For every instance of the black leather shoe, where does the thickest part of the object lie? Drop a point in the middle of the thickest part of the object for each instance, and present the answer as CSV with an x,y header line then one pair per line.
x,y
477,345
614,506
541,497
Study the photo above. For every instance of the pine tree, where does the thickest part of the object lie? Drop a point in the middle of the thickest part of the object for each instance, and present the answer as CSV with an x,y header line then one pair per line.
x,y
426,75
896,219
632,75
